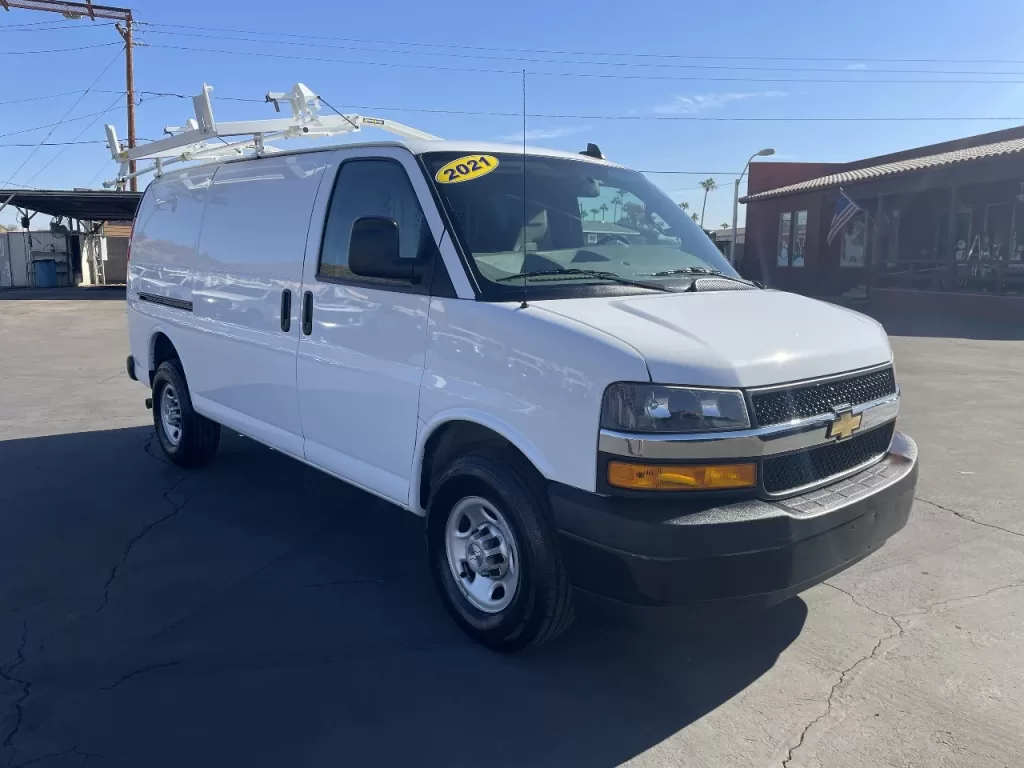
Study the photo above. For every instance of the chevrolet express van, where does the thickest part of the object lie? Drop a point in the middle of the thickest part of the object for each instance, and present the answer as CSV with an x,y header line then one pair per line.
x,y
540,354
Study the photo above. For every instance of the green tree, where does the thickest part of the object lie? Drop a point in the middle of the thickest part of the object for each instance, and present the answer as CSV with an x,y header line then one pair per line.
x,y
695,217
685,206
632,214
594,212
708,185
726,225
604,210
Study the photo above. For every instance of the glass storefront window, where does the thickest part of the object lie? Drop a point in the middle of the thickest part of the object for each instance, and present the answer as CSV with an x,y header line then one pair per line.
x,y
785,227
799,238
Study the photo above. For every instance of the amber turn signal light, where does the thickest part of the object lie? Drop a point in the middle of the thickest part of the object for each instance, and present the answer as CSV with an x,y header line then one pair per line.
x,y
705,477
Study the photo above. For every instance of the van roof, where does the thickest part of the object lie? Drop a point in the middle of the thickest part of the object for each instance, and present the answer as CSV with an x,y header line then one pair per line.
x,y
422,146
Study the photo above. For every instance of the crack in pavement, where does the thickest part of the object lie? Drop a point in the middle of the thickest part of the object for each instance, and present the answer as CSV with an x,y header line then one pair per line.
x,y
73,751
147,448
939,603
26,690
26,685
896,637
139,536
140,671
848,672
968,518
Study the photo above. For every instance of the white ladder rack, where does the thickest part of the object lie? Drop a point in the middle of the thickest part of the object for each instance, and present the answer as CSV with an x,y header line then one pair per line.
x,y
202,137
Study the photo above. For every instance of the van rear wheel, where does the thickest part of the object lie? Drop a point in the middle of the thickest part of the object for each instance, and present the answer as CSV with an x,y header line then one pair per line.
x,y
494,557
188,439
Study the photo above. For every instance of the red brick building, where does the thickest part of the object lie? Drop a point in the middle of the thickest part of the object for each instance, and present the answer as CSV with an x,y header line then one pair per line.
x,y
941,225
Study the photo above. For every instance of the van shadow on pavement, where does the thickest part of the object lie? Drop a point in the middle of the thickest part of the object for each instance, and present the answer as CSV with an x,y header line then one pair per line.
x,y
261,613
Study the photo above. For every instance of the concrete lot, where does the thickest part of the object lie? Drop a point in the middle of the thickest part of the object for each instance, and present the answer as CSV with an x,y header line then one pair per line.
x,y
260,614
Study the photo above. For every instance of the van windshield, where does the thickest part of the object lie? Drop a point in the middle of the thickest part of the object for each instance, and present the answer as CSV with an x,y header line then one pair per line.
x,y
583,224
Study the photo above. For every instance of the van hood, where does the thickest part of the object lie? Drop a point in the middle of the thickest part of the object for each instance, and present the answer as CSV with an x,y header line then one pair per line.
x,y
734,338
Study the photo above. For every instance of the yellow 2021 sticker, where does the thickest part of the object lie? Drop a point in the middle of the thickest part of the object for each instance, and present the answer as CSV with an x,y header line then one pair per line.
x,y
466,168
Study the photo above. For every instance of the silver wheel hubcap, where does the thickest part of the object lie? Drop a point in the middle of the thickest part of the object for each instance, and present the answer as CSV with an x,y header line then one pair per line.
x,y
482,554
170,415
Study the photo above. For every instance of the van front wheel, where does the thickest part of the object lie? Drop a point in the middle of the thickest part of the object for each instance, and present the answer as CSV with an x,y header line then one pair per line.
x,y
494,557
188,439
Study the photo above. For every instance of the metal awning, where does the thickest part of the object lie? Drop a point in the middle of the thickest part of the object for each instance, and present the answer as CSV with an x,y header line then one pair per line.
x,y
88,205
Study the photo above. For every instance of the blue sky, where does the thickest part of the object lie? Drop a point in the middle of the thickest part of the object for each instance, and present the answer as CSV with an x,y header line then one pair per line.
x,y
459,31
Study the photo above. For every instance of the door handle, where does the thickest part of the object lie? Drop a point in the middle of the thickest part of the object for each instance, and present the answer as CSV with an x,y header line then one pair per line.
x,y
307,313
286,310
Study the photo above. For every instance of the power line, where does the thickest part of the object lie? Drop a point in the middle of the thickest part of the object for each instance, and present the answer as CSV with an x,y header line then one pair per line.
x,y
56,25
39,98
628,54
186,96
52,125
79,135
53,144
57,50
64,118
598,75
694,118
660,65
656,117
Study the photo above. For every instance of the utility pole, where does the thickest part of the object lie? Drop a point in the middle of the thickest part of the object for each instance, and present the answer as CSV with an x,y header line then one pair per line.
x,y
129,87
72,10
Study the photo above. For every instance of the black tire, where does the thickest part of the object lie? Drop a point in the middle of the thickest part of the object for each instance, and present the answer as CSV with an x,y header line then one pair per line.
x,y
541,608
199,437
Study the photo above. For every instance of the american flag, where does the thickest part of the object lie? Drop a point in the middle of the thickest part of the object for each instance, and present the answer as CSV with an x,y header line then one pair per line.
x,y
846,209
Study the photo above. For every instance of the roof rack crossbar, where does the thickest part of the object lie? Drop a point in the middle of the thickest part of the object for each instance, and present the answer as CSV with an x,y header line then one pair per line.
x,y
203,138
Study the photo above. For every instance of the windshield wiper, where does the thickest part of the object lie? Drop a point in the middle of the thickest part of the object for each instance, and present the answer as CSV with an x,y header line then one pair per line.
x,y
588,273
700,271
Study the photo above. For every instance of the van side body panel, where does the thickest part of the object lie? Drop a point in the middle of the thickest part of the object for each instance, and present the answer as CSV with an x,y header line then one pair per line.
x,y
250,251
162,260
535,378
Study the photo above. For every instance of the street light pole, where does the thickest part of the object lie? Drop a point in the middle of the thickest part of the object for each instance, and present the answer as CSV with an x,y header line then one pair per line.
x,y
736,201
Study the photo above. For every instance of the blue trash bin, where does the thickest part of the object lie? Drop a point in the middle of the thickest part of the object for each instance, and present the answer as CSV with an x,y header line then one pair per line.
x,y
46,273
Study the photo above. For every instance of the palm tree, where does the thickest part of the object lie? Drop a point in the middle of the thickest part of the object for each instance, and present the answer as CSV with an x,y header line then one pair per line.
x,y
604,210
726,225
684,205
695,217
616,202
594,212
709,185
583,213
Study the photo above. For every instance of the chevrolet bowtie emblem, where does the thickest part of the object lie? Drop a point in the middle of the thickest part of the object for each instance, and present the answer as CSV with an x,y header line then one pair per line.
x,y
845,425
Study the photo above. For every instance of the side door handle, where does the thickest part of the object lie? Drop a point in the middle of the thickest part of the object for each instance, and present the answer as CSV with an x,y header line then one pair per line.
x,y
286,310
307,313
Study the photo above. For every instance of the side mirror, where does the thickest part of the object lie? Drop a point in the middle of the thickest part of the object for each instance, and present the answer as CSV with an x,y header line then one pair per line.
x,y
373,250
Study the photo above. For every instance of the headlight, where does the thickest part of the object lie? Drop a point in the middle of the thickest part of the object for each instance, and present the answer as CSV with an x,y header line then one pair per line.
x,y
658,408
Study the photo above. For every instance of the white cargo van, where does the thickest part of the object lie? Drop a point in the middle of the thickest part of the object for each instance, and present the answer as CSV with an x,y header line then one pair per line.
x,y
574,409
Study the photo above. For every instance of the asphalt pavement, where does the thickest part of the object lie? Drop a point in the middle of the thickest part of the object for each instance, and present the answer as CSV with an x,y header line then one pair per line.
x,y
259,613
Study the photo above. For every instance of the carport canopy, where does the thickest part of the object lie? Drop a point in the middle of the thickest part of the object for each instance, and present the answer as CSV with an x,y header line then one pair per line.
x,y
85,205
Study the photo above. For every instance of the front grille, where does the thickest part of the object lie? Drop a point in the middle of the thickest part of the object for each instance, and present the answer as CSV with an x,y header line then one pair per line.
x,y
796,470
800,402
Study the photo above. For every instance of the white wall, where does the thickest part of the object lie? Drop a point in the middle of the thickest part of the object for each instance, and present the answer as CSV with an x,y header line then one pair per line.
x,y
14,260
